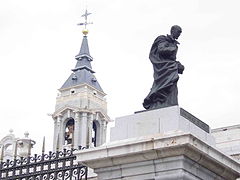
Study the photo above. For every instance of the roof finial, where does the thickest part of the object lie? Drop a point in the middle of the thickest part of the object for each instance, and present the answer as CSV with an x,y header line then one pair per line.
x,y
85,15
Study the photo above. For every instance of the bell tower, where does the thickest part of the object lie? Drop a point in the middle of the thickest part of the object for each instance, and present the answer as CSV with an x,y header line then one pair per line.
x,y
80,117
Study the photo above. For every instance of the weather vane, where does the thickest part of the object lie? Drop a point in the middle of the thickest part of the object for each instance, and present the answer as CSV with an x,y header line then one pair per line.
x,y
85,15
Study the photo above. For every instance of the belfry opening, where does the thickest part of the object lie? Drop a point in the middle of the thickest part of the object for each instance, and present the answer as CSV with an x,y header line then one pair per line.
x,y
69,131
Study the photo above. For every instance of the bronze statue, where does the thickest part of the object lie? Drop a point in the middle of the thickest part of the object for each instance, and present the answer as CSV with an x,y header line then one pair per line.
x,y
166,69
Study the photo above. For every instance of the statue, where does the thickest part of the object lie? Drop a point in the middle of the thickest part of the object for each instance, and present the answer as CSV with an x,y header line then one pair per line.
x,y
166,69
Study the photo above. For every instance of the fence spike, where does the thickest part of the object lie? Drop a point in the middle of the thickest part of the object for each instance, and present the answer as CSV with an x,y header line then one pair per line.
x,y
2,153
15,150
29,148
57,148
43,145
72,140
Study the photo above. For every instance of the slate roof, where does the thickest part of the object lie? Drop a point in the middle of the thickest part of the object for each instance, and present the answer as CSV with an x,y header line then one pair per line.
x,y
84,50
82,73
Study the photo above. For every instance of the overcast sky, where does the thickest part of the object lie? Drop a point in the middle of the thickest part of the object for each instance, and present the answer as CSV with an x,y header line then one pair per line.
x,y
39,40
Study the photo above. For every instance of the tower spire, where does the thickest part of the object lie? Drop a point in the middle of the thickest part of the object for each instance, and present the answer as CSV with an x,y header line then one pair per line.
x,y
83,73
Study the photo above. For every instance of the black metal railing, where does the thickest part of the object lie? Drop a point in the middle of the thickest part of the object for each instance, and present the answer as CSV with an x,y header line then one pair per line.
x,y
60,165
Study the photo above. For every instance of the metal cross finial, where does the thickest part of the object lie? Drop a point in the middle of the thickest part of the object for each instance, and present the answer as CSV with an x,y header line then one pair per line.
x,y
85,15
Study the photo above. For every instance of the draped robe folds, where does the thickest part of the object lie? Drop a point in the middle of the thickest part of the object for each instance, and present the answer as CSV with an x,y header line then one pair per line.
x,y
166,69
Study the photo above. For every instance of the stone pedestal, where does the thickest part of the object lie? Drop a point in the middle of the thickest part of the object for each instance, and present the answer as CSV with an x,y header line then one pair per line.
x,y
175,157
161,121
164,144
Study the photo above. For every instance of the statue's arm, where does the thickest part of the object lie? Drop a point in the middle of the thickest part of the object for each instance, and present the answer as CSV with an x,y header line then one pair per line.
x,y
180,67
166,48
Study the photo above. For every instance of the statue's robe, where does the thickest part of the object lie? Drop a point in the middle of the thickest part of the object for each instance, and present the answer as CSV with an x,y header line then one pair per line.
x,y
166,69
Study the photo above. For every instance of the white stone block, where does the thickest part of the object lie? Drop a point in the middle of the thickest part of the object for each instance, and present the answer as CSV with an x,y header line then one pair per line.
x,y
160,121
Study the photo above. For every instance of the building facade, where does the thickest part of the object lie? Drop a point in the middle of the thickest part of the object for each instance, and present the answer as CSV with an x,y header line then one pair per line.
x,y
228,140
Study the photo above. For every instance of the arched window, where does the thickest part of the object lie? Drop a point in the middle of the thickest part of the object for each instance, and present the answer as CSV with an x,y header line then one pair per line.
x,y
69,131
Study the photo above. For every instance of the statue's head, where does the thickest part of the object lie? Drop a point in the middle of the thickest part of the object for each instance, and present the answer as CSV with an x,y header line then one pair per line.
x,y
176,31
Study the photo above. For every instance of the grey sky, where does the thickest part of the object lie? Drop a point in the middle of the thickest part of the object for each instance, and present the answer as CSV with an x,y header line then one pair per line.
x,y
39,39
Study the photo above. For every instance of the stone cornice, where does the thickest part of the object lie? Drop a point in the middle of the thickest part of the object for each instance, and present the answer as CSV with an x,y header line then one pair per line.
x,y
82,85
157,147
105,116
8,138
60,112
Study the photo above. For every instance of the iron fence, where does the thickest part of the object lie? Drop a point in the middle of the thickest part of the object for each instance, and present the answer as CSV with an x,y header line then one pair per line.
x,y
60,165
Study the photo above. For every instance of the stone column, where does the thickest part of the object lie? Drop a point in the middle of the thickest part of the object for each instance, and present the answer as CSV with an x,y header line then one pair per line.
x,y
61,132
104,132
90,126
77,130
101,132
83,132
97,116
58,133
55,133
